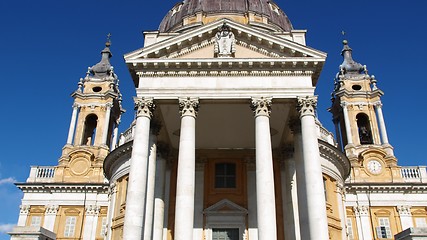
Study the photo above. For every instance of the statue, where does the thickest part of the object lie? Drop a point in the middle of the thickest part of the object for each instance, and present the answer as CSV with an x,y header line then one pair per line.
x,y
225,41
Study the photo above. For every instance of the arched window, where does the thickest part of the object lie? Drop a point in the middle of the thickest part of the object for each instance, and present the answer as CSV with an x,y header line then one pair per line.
x,y
89,132
364,129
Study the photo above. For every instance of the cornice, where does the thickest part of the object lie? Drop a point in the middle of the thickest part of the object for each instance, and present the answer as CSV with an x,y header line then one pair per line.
x,y
62,187
383,187
113,158
336,157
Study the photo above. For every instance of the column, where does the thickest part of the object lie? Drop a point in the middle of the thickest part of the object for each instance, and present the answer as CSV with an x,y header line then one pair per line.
x,y
405,216
300,209
112,191
363,220
135,197
383,130
151,177
338,132
91,221
159,192
24,210
106,123
115,135
315,226
344,106
50,215
72,124
266,206
290,205
185,183
198,204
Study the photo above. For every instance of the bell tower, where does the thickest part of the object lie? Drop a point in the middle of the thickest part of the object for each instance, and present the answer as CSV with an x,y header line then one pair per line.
x,y
359,122
94,124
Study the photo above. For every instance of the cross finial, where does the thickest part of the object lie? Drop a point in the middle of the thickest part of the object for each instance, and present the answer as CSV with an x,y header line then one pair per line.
x,y
108,43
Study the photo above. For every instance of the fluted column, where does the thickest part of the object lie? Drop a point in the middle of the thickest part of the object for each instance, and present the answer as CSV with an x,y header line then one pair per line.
x,y
151,177
185,183
315,226
266,206
136,191
344,106
106,123
72,124
159,192
383,130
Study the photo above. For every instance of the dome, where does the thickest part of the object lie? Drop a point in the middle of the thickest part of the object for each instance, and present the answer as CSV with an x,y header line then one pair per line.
x,y
262,13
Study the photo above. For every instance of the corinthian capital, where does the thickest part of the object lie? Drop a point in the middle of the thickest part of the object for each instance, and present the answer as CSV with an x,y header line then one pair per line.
x,y
24,209
144,107
188,106
306,105
261,106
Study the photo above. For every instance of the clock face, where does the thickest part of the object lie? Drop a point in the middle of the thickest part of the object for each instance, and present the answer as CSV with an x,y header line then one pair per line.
x,y
374,166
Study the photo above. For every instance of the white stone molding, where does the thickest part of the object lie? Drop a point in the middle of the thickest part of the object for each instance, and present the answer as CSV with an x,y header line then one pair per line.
x,y
188,106
225,42
224,73
92,209
51,209
361,210
404,210
306,105
144,107
24,209
261,106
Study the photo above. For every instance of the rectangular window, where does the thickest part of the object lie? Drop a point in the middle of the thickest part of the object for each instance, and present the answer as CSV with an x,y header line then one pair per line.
x,y
383,230
420,222
36,221
324,189
70,226
225,175
225,234
350,229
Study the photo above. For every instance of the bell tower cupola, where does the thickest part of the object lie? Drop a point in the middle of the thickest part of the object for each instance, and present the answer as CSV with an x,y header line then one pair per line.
x,y
94,123
357,115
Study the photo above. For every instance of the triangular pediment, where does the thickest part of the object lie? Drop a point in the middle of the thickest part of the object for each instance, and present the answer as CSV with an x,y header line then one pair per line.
x,y
199,43
225,206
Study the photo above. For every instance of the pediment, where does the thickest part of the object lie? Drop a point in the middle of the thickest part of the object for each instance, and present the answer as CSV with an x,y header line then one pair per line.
x,y
225,206
249,43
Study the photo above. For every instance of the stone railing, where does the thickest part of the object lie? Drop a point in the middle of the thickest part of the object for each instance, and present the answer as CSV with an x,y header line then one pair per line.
x,y
127,135
41,174
324,134
414,174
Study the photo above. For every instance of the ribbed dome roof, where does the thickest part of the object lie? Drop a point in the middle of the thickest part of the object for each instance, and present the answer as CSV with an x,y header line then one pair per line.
x,y
264,8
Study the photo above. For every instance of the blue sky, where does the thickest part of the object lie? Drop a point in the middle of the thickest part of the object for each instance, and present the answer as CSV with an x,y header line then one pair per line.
x,y
47,45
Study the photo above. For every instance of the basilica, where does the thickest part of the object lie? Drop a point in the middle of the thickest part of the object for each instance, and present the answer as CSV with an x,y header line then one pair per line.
x,y
225,143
